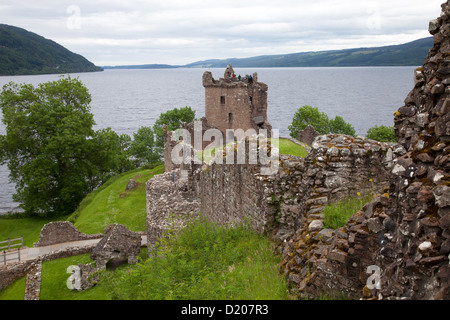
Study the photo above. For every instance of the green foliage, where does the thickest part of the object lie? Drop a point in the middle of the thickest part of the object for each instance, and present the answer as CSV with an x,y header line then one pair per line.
x,y
339,126
23,52
15,291
173,119
142,148
337,214
204,261
308,115
53,154
382,134
112,155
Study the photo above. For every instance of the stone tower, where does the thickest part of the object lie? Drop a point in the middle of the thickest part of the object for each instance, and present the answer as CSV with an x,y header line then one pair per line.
x,y
233,102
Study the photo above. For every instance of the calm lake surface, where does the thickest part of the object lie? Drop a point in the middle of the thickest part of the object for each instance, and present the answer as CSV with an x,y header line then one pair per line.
x,y
128,99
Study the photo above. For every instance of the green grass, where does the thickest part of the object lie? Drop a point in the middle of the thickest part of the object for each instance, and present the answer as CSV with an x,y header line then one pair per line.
x,y
286,147
205,261
15,291
111,204
54,280
15,226
337,214
99,209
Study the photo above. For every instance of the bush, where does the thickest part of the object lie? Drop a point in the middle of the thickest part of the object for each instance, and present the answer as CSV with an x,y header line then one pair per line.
x,y
339,126
382,134
308,115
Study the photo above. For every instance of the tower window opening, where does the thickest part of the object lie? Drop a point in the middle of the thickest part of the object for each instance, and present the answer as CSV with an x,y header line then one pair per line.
x,y
222,99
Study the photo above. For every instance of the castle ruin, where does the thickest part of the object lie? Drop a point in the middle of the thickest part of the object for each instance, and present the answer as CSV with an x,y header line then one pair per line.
x,y
235,103
396,247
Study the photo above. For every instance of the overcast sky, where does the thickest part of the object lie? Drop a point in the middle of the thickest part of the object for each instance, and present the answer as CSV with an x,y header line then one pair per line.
x,y
113,32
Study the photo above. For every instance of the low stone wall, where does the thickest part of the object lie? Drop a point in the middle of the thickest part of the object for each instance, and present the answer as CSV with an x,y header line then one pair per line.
x,y
13,271
336,262
60,232
33,284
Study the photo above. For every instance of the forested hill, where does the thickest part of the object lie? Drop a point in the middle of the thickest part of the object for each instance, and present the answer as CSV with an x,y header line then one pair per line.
x,y
408,54
23,52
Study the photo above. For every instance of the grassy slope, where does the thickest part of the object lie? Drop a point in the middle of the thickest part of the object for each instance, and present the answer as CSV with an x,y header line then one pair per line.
x,y
106,206
97,210
29,227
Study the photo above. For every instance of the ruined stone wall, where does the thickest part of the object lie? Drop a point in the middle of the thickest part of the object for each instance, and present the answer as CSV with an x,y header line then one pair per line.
x,y
13,271
296,195
60,232
235,194
234,104
170,202
403,235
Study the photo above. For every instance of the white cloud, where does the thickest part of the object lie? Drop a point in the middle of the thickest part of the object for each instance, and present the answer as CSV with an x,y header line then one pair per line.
x,y
178,32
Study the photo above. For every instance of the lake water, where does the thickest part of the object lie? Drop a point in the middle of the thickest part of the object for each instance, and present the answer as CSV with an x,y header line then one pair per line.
x,y
128,99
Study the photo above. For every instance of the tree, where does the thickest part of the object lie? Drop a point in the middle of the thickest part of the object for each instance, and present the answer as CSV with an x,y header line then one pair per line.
x,y
308,115
50,146
111,157
339,126
173,119
142,148
382,134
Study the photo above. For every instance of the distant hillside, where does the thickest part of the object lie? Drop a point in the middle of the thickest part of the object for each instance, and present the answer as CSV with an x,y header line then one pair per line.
x,y
23,52
143,66
409,54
